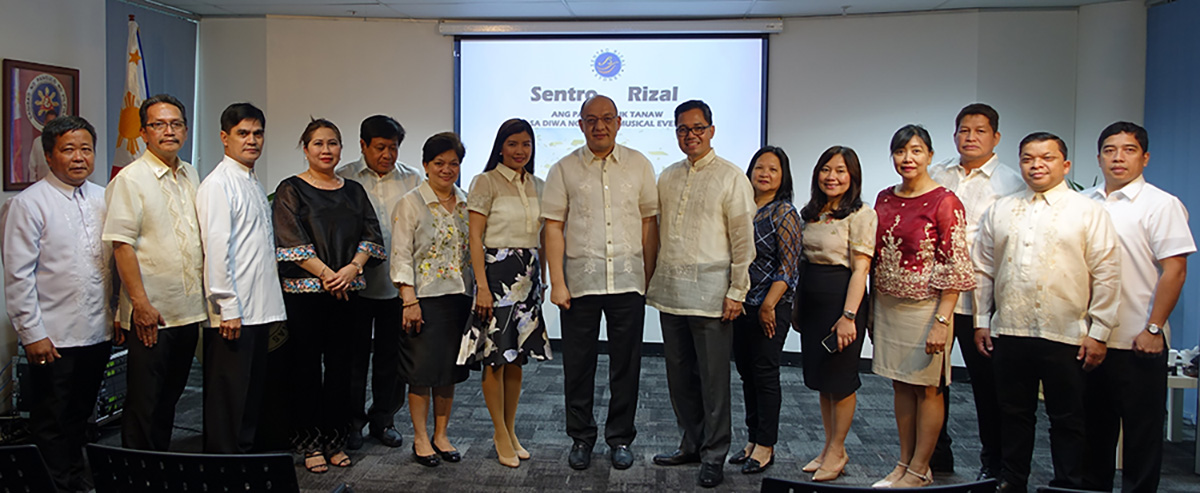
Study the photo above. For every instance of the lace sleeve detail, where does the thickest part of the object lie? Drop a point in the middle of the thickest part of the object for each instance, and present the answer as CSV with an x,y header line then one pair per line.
x,y
952,266
373,249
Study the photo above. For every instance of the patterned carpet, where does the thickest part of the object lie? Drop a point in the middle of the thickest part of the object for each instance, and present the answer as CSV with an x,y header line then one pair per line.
x,y
872,444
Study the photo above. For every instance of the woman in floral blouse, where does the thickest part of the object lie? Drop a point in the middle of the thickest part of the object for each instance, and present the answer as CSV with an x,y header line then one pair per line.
x,y
325,232
921,264
506,327
431,266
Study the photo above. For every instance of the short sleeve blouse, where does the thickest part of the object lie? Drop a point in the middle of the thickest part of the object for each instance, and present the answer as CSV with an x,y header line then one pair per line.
x,y
512,206
332,225
921,245
829,241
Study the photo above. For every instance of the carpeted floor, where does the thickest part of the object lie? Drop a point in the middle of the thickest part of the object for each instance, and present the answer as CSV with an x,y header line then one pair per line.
x,y
872,444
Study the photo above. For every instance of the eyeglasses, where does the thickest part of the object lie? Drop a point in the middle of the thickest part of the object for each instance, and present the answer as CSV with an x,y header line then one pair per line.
x,y
698,130
176,125
591,121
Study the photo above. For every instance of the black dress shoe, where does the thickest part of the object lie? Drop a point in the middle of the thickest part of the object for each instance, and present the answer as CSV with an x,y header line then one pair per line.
x,y
354,440
941,463
676,458
580,457
752,466
428,460
739,458
389,437
984,474
711,475
1007,487
622,458
450,456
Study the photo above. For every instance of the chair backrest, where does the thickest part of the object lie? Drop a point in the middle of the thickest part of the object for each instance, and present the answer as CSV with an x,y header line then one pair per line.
x,y
118,470
1052,489
23,470
775,485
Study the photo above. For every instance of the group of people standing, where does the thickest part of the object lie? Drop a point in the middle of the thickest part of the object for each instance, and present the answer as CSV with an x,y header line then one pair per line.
x,y
372,264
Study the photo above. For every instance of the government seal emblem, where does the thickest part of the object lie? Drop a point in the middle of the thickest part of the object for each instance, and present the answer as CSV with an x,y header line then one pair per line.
x,y
44,96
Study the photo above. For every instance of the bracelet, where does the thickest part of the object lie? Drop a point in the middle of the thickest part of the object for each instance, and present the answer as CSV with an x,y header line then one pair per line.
x,y
322,273
410,303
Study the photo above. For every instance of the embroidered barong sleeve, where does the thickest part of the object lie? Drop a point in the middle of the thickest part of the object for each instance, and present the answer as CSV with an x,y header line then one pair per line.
x,y
952,267
404,225
1103,257
863,224
739,222
22,234
479,199
983,256
123,222
292,243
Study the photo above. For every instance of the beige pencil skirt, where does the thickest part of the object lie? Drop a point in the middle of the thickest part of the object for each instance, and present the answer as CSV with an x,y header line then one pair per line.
x,y
901,328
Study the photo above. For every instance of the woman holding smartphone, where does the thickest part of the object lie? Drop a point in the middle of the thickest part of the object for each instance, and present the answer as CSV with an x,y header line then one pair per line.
x,y
838,242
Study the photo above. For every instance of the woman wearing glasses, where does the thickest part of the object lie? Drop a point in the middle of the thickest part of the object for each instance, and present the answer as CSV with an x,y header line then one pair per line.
x,y
326,231
506,328
432,268
839,240
921,264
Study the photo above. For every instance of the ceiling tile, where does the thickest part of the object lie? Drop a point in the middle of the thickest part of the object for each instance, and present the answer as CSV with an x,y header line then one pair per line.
x,y
335,10
483,10
660,8
792,8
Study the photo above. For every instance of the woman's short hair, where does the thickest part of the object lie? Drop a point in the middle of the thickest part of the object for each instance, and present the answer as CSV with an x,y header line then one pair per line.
x,y
785,191
442,142
906,133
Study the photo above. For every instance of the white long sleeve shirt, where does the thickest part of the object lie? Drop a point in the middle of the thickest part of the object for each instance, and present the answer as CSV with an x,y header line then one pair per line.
x,y
384,191
706,224
241,279
1050,265
57,271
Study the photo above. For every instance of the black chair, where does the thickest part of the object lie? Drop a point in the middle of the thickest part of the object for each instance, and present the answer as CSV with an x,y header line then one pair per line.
x,y
23,470
775,485
118,470
1053,489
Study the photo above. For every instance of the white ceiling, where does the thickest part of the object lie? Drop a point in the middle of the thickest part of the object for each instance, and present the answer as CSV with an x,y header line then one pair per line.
x,y
586,9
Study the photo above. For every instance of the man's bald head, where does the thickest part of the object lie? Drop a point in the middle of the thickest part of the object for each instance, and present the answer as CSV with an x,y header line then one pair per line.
x,y
599,120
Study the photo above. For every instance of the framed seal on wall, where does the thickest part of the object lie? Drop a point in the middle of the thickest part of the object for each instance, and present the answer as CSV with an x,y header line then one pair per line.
x,y
34,94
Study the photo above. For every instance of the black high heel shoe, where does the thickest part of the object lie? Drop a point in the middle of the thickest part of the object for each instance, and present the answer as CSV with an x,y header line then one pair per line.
x,y
451,456
428,460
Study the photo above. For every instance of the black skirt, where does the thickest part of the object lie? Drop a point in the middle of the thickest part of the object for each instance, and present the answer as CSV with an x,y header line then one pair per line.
x,y
515,331
430,358
820,298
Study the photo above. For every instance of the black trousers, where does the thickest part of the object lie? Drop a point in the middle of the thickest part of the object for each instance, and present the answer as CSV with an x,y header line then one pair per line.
x,y
1130,390
697,351
235,379
987,409
64,398
319,333
757,358
156,378
626,316
383,354
1021,363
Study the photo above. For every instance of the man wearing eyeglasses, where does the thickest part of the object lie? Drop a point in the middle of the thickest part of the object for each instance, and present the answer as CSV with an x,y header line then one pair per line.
x,y
601,239
707,209
155,235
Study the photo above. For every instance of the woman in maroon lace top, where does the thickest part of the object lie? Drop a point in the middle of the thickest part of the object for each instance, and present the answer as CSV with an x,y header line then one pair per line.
x,y
921,264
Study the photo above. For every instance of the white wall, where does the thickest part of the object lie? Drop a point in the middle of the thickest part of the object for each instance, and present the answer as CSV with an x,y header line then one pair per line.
x,y
832,80
67,33
232,67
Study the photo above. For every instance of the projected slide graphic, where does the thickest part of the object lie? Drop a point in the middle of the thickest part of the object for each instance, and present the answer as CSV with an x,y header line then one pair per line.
x,y
546,80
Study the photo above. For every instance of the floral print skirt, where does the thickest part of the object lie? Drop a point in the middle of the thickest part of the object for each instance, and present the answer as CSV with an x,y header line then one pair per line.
x,y
516,330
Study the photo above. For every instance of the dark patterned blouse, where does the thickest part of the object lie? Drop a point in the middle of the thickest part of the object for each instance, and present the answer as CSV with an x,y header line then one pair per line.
x,y
332,225
777,250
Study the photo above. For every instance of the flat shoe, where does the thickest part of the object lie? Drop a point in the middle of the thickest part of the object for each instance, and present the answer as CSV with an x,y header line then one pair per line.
x,y
739,458
448,456
428,460
752,466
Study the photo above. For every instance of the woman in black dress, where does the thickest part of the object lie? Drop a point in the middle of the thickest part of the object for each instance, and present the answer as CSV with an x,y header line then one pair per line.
x,y
506,328
432,267
839,240
325,232
759,334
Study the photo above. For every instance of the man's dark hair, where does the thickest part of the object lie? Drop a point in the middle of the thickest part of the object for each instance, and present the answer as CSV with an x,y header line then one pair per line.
x,y
236,112
442,142
381,126
906,133
1043,137
61,126
978,109
1139,134
161,98
690,105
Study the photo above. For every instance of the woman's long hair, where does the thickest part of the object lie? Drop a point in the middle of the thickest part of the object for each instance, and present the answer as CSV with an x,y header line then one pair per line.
x,y
851,200
507,129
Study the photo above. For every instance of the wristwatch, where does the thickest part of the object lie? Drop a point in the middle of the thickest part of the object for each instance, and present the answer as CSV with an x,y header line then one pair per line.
x,y
1153,329
942,320
849,315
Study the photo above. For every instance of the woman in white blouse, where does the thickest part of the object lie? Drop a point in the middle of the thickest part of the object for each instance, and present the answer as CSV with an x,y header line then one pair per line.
x,y
506,328
431,267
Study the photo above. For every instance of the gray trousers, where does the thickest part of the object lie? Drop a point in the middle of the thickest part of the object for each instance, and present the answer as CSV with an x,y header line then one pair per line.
x,y
697,351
